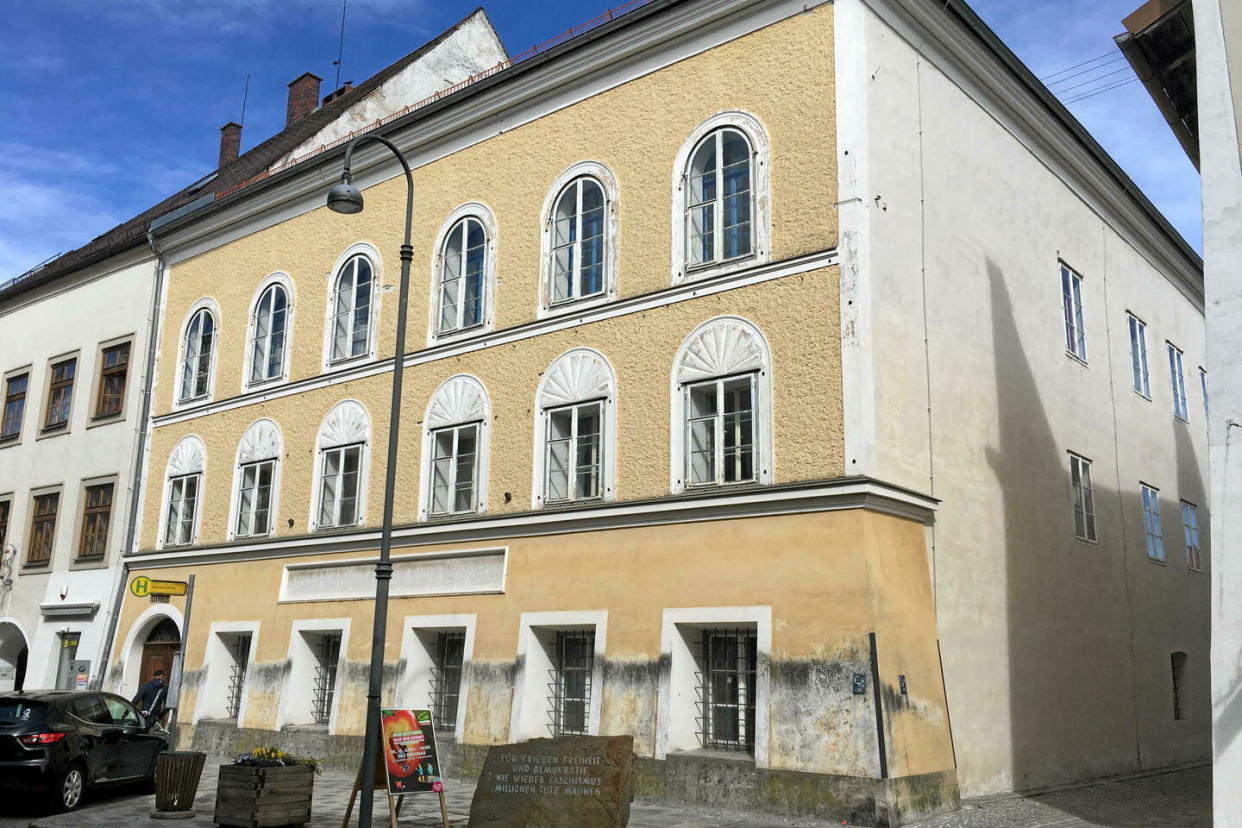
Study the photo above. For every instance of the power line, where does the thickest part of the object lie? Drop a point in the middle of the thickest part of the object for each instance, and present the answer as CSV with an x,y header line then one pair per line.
x,y
1086,71
1093,80
1076,65
1092,94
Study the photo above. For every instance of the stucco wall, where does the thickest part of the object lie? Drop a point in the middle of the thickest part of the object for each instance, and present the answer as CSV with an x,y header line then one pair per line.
x,y
1056,651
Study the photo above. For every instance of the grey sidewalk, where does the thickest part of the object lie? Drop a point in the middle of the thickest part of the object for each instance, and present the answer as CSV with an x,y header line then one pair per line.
x,y
1182,799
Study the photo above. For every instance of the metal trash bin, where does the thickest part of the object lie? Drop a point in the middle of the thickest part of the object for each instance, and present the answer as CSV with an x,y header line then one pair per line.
x,y
176,783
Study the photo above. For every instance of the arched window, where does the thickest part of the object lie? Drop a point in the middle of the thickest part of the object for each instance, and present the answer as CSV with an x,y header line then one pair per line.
x,y
351,309
463,276
722,185
721,403
197,352
256,481
269,328
183,484
341,467
579,238
575,430
455,448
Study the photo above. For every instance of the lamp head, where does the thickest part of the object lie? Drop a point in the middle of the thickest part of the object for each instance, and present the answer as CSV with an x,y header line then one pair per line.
x,y
345,197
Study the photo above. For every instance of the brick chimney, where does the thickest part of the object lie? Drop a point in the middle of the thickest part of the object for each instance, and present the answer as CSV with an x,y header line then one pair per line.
x,y
345,87
230,142
303,97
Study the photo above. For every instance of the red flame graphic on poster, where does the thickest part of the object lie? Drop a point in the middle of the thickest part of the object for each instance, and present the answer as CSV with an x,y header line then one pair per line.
x,y
410,751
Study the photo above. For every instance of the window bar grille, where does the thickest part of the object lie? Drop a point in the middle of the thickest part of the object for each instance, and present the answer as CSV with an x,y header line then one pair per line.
x,y
726,689
570,682
446,679
325,677
237,674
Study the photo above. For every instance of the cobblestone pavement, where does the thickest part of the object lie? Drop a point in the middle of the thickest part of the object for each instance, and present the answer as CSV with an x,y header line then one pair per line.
x,y
1182,799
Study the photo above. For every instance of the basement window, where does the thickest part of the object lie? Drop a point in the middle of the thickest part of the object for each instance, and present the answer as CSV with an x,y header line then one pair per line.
x,y
727,661
326,647
450,649
569,680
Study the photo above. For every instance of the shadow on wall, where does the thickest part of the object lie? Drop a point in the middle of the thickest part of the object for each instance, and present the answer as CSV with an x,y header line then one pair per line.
x,y
1091,626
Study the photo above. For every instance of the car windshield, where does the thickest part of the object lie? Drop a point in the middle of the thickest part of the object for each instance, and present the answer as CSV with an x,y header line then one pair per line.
x,y
20,711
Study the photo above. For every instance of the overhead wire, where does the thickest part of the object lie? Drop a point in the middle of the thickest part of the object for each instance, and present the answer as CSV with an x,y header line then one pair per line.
x,y
1094,92
1097,67
1045,78
1096,79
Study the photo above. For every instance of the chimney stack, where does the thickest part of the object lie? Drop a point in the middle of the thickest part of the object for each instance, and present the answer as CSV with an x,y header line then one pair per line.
x,y
332,96
230,142
303,97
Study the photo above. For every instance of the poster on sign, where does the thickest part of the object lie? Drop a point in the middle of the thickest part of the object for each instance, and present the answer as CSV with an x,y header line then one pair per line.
x,y
410,752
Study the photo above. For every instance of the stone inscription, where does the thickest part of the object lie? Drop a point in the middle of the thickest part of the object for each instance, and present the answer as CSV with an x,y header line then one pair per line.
x,y
550,775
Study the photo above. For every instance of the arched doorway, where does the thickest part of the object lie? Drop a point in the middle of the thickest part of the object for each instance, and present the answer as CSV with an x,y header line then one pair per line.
x,y
163,642
13,653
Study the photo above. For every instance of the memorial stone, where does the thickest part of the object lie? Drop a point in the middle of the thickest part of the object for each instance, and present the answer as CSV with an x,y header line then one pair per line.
x,y
566,782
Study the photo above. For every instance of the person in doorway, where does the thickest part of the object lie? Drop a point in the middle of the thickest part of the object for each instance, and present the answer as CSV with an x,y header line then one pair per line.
x,y
150,697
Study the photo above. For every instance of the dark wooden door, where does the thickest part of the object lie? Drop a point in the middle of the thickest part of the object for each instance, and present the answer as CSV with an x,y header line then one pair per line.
x,y
157,656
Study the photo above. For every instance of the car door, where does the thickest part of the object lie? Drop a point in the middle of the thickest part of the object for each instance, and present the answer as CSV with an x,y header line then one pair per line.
x,y
100,739
138,747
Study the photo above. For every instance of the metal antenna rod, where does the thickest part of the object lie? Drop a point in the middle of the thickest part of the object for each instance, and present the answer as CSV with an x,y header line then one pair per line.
x,y
340,49
245,96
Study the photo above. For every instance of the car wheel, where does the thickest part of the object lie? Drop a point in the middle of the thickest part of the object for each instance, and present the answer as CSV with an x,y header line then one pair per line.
x,y
68,794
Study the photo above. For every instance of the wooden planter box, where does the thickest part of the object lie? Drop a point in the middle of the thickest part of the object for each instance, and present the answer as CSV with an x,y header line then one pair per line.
x,y
264,797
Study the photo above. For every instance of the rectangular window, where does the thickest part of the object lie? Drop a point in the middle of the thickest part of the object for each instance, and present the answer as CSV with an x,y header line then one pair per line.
x,y
728,663
60,394
1071,297
14,406
338,488
5,506
570,681
574,458
115,368
1177,379
446,678
237,645
254,499
43,529
720,431
1152,527
1178,661
1203,388
454,452
1190,525
96,518
327,649
182,504
1083,498
1138,356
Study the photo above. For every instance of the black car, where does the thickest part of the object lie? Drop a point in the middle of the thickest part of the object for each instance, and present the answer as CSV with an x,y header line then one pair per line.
x,y
58,744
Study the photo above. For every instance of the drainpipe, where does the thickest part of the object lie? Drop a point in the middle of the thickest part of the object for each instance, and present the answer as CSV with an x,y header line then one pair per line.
x,y
131,527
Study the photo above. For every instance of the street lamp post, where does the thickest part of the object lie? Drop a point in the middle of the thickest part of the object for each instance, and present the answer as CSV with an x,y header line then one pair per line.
x,y
346,198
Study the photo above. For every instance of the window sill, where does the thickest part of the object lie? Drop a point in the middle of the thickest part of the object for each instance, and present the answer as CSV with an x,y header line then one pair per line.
x,y
1194,571
106,419
697,272
305,728
738,757
259,385
345,362
439,338
41,566
1087,541
11,440
98,562
1073,357
575,306
1156,561
1140,394
224,721
52,431
1177,418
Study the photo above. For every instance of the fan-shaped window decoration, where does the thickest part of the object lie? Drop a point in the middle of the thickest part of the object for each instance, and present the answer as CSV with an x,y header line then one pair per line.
x,y
183,483
258,460
197,351
351,310
268,334
455,443
575,430
340,474
463,269
721,403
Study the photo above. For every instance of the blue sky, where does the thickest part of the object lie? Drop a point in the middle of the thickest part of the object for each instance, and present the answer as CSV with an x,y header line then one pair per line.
x,y
108,107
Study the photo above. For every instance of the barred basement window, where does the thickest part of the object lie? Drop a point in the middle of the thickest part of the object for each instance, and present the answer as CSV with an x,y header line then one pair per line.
x,y
727,689
239,651
570,681
446,678
327,656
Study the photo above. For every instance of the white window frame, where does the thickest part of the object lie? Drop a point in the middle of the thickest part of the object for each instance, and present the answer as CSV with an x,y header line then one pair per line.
x,y
286,284
414,676
217,661
1153,524
579,375
332,281
608,182
343,452
1080,471
1073,323
751,127
718,430
483,214
574,410
460,399
1203,389
454,468
347,424
209,305
1190,533
298,686
676,724
1177,383
262,442
188,457
1140,375
720,348
528,717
